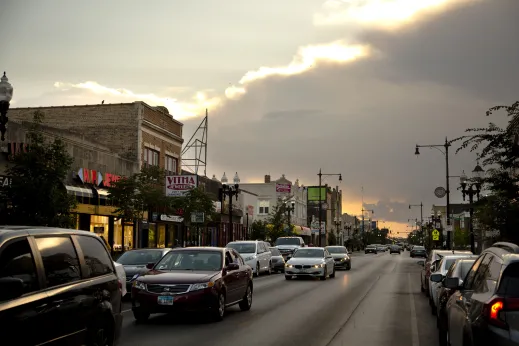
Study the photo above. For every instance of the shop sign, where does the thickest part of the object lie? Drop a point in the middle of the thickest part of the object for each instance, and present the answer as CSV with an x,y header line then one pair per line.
x,y
90,176
5,181
180,185
197,217
283,188
171,218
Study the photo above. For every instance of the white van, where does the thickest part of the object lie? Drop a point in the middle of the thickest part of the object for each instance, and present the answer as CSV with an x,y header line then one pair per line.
x,y
255,253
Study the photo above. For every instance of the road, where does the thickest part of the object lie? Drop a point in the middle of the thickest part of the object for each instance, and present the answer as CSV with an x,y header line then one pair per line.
x,y
377,303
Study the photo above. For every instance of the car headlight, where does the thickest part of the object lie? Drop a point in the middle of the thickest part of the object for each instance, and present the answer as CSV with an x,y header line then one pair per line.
x,y
288,265
320,265
250,258
201,286
139,285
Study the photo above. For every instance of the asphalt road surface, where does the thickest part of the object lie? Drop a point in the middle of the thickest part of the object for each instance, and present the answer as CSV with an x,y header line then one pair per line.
x,y
377,303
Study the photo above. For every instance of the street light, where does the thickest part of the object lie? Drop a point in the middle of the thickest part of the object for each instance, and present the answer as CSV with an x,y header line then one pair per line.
x,y
6,94
290,206
421,212
445,152
472,188
229,190
320,174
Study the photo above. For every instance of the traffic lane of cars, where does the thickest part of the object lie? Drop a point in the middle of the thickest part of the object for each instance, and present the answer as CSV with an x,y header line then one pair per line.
x,y
303,311
393,312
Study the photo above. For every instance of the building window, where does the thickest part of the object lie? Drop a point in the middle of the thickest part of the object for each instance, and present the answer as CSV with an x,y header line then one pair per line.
x,y
151,157
171,165
263,207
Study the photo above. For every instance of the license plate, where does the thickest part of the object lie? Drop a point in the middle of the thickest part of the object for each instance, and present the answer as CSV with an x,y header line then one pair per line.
x,y
165,300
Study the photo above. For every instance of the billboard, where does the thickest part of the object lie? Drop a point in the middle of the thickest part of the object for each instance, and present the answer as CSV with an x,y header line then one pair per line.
x,y
313,193
179,185
283,188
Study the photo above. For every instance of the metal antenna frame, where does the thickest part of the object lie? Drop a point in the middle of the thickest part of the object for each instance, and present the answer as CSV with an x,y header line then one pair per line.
x,y
196,147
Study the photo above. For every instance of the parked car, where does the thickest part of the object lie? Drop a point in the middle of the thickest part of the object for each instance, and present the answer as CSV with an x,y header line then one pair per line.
x,y
194,279
278,262
394,249
459,269
57,284
433,258
484,309
371,249
255,253
315,261
418,251
287,245
340,256
135,262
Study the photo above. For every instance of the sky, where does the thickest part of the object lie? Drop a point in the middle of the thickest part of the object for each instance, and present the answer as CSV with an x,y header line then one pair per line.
x,y
291,87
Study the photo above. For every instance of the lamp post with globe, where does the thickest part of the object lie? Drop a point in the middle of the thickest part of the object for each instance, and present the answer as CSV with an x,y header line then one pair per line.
x,y
6,94
230,191
472,188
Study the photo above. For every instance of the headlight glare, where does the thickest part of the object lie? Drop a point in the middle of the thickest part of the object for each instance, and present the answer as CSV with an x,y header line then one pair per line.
x,y
139,285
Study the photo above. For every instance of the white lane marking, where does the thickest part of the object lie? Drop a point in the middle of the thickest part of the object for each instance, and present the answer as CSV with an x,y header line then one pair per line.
x,y
125,311
414,323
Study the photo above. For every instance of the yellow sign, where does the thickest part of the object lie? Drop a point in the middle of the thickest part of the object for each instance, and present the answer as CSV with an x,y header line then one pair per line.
x,y
436,235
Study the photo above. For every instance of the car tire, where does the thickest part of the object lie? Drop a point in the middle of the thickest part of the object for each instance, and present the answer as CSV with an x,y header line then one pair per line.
x,y
141,316
219,311
349,267
270,269
332,275
256,273
246,302
324,277
101,333
288,277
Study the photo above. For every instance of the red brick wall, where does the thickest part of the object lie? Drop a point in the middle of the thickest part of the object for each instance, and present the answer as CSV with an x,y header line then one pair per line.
x,y
163,120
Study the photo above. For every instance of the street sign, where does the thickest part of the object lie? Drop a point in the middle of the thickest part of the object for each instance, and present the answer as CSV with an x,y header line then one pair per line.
x,y
440,192
197,217
435,234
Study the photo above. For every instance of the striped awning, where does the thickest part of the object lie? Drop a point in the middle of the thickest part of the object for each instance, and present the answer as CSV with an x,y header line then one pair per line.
x,y
79,191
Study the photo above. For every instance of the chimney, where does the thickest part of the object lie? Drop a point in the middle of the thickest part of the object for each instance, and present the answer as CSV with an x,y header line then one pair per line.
x,y
267,178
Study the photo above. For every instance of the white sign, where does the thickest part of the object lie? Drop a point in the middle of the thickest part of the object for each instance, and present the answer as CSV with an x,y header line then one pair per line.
x,y
180,185
171,218
197,217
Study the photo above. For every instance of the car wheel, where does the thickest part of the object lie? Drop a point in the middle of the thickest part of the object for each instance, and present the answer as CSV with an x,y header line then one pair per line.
x,y
288,277
332,275
246,302
349,266
140,315
219,312
270,269
101,334
256,273
324,275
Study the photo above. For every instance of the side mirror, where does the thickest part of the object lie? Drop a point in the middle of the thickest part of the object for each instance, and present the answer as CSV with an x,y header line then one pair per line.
x,y
452,283
436,278
233,266
10,288
421,263
150,265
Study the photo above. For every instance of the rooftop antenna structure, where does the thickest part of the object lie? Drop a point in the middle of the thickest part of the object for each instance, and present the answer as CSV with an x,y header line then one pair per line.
x,y
194,154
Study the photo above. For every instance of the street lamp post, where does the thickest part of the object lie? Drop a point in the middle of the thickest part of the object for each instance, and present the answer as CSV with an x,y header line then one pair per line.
x,y
290,206
445,152
363,228
472,189
6,94
230,190
421,213
320,174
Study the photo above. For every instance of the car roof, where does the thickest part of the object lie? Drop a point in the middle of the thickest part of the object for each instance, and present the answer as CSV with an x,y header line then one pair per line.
x,y
151,249
335,246
11,232
201,248
245,241
312,248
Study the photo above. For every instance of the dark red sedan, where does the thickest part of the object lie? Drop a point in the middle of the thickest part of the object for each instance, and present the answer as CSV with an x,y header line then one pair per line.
x,y
196,279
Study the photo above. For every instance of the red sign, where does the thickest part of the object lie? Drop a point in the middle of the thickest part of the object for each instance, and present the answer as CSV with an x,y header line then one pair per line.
x,y
90,176
110,178
179,185
283,188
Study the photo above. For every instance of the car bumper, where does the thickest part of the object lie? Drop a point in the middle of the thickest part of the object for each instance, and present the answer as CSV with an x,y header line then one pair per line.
x,y
304,272
278,266
342,264
370,251
418,255
196,301
398,252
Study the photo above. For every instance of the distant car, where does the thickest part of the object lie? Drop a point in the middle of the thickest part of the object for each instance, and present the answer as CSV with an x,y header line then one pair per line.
x,y
371,249
394,249
278,262
418,251
315,261
340,256
195,279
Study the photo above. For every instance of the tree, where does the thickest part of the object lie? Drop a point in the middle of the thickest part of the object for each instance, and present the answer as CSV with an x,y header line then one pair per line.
x,y
276,222
259,230
195,201
332,237
499,151
461,238
37,195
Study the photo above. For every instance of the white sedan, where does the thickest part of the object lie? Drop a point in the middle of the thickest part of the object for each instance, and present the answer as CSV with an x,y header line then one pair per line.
x,y
310,261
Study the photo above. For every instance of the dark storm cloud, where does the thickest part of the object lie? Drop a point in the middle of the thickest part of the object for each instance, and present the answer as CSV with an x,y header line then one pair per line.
x,y
363,119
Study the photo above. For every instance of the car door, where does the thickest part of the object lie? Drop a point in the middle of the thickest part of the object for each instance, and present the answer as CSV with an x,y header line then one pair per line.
x,y
268,255
231,279
329,261
242,272
261,255
22,318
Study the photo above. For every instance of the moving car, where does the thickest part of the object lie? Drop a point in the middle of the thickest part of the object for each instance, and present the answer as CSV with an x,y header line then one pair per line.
x,y
57,285
278,262
340,256
194,279
287,245
255,253
371,249
394,249
315,261
135,262
418,251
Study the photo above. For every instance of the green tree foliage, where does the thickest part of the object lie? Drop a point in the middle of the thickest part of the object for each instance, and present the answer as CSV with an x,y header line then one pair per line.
x,y
332,238
37,195
196,200
461,238
499,153
259,230
277,221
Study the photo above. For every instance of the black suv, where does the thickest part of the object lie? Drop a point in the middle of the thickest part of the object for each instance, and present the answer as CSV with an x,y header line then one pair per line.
x,y
484,309
57,286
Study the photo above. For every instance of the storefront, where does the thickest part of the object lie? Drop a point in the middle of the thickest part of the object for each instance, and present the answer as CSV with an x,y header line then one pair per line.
x,y
162,231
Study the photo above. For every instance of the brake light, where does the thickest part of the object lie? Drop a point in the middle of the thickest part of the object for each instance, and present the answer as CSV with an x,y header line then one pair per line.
x,y
495,308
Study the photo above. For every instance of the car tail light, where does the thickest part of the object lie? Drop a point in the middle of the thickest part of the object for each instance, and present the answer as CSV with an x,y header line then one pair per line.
x,y
495,308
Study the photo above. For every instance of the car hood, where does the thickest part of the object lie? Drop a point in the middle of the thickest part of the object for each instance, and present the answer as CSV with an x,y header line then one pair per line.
x,y
247,255
131,270
303,260
288,247
177,277
339,255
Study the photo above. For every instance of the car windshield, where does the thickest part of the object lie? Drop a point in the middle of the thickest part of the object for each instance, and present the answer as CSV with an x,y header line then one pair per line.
x,y
311,253
338,249
243,247
287,241
418,248
140,257
371,246
191,260
274,251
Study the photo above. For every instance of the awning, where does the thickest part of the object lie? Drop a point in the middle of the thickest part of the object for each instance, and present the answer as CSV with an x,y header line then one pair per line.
x,y
79,191
301,230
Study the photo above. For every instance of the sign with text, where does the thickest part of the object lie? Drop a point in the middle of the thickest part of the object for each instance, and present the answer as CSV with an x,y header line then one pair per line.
x,y
91,176
314,195
5,181
171,218
283,188
197,217
180,185
436,235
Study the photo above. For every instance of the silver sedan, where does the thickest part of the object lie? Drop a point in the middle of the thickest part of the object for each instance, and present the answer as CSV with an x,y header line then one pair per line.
x,y
313,261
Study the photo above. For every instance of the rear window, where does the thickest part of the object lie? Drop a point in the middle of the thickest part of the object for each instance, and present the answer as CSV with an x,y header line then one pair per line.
x,y
510,281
